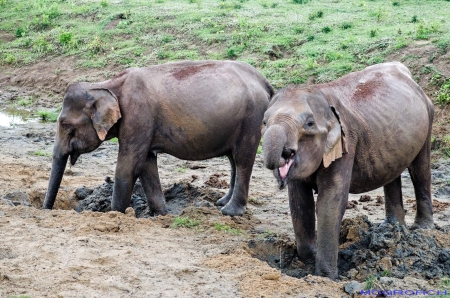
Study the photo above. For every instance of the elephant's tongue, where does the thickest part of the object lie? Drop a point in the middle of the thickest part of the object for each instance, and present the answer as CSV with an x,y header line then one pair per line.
x,y
285,169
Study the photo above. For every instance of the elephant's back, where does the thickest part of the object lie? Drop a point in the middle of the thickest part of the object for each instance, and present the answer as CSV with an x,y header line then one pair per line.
x,y
387,117
203,104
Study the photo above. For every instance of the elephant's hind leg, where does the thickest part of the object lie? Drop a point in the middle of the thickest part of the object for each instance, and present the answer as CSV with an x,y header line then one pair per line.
x,y
394,202
226,198
243,155
420,171
152,187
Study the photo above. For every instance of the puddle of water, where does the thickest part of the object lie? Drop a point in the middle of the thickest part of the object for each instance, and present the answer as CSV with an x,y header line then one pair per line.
x,y
12,116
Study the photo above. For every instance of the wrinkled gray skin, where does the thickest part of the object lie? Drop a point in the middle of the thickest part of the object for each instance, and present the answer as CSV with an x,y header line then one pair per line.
x,y
191,110
382,118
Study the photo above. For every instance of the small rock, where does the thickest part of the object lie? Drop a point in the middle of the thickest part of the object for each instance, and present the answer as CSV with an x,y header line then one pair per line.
x,y
272,276
83,192
385,264
352,273
353,287
365,198
386,280
203,204
99,227
130,212
380,200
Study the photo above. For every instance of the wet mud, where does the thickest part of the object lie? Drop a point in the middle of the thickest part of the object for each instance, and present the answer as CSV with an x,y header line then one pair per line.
x,y
369,249
178,197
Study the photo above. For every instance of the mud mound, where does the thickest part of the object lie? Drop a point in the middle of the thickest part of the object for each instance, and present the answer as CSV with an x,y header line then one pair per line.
x,y
393,250
368,249
178,197
215,181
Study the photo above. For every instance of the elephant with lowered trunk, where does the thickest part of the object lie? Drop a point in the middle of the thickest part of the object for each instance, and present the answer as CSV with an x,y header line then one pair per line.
x,y
191,110
353,135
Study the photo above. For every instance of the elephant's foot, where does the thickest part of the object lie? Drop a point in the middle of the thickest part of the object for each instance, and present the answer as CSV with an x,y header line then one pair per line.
x,y
223,200
392,220
159,212
423,223
306,254
326,270
233,210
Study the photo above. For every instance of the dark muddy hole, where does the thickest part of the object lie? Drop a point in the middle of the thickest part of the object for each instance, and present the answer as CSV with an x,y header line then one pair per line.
x,y
368,249
179,196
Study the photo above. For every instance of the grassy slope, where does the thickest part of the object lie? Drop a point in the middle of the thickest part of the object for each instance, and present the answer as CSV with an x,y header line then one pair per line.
x,y
288,42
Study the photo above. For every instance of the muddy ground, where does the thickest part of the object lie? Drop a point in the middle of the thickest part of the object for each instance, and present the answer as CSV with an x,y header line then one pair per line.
x,y
64,253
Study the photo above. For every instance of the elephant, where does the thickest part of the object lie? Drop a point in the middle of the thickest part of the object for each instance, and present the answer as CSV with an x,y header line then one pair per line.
x,y
193,110
351,135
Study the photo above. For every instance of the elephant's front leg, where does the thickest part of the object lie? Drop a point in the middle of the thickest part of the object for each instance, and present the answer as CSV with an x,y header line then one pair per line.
x,y
333,187
152,186
301,203
127,171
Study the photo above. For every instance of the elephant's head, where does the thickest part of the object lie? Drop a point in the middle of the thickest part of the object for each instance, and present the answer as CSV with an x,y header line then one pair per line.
x,y
301,130
88,112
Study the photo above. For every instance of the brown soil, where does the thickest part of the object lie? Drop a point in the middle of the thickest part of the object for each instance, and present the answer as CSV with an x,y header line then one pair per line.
x,y
63,253
215,181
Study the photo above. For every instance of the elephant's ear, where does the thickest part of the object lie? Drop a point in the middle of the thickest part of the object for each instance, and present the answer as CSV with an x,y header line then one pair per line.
x,y
106,111
336,145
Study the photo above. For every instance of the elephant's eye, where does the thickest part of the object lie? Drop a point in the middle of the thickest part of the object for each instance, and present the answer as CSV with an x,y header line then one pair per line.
x,y
264,123
67,128
310,123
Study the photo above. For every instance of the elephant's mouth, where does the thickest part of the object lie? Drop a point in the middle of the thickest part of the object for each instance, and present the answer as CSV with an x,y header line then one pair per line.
x,y
283,173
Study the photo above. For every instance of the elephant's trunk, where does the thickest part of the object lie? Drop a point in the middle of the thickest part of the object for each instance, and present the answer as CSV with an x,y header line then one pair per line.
x,y
275,139
58,165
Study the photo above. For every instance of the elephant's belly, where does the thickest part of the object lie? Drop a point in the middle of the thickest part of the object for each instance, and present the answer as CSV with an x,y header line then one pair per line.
x,y
372,175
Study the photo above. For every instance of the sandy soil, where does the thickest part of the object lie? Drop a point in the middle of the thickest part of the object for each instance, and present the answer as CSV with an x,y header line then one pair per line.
x,y
62,253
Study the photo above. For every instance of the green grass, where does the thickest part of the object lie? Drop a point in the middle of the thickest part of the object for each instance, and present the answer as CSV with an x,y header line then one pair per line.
x,y
370,282
184,222
288,41
227,229
182,170
443,95
444,284
47,116
25,101
386,273
114,140
42,153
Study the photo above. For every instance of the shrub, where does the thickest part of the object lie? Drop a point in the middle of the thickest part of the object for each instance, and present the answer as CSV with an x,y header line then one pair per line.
x,y
48,116
20,33
443,95
65,38
346,25
96,46
316,15
326,29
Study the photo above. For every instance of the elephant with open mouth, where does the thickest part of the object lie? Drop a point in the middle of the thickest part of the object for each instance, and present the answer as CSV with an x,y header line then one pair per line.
x,y
352,135
191,110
